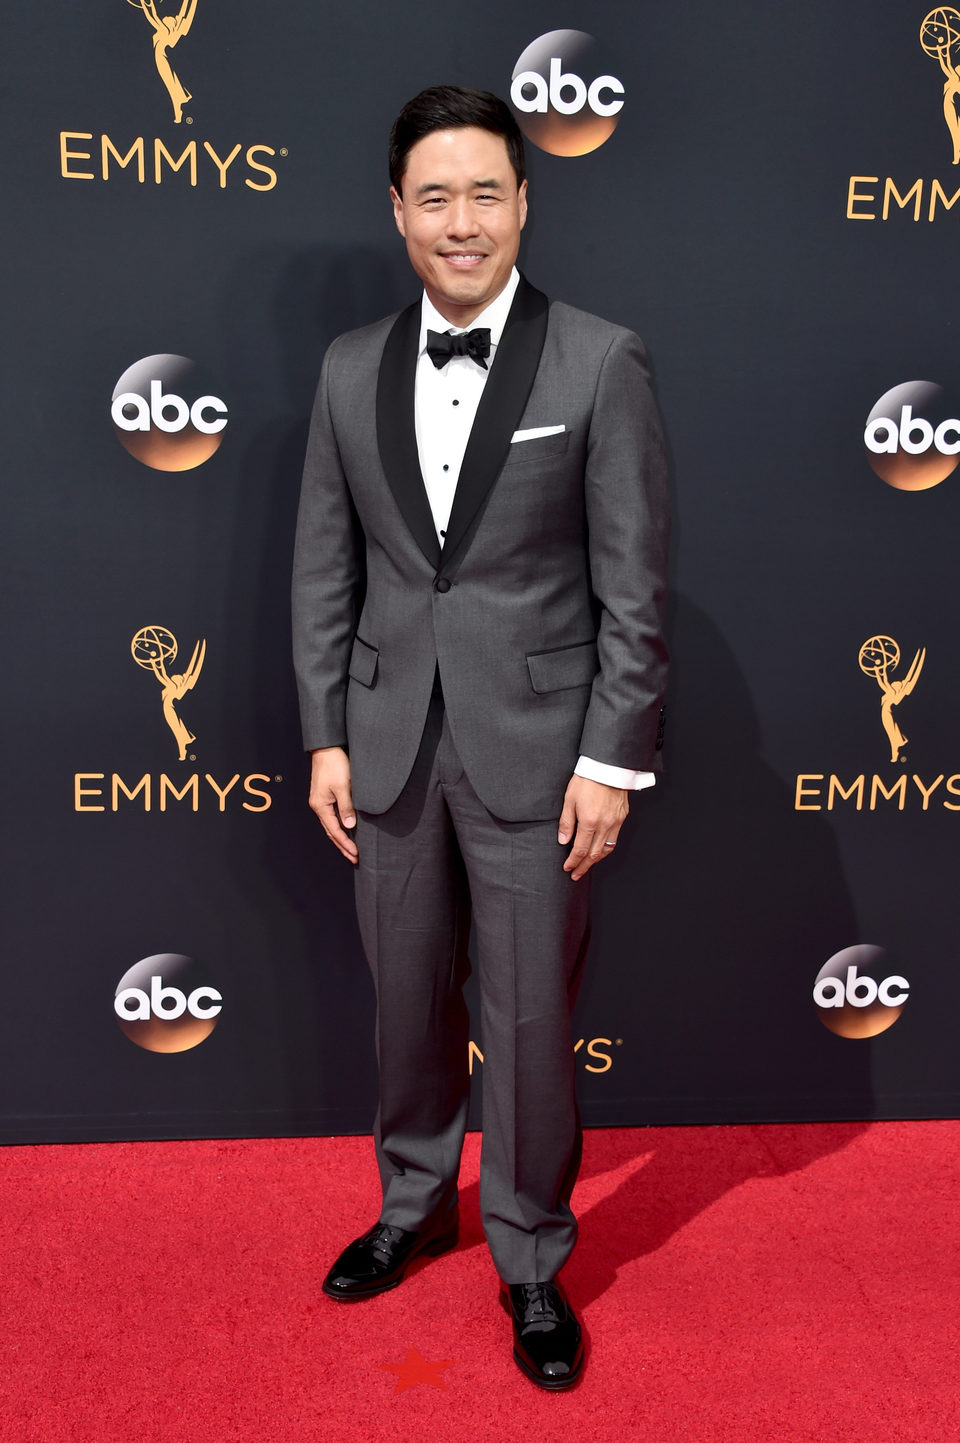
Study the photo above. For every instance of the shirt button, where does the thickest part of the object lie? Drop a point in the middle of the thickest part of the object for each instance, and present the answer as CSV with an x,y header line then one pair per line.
x,y
446,468
456,403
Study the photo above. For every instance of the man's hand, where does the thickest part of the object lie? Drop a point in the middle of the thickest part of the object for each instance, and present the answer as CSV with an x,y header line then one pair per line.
x,y
597,812
330,797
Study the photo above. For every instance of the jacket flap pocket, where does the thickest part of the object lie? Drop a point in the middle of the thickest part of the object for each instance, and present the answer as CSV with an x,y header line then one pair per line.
x,y
570,666
363,662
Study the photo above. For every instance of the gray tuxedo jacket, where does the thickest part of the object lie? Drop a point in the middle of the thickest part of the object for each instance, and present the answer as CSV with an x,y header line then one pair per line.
x,y
542,609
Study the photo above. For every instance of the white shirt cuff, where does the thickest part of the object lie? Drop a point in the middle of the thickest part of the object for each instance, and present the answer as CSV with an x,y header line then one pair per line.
x,y
613,776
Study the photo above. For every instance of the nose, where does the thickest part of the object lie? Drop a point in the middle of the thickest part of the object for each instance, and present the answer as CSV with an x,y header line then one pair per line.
x,y
461,219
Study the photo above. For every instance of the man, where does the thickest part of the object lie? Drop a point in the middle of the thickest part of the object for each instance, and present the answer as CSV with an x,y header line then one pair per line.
x,y
478,587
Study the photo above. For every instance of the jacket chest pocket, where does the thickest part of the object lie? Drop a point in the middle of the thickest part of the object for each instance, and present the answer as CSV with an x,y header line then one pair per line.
x,y
538,448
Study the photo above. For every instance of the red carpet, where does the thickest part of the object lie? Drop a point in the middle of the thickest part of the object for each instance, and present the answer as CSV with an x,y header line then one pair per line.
x,y
754,1283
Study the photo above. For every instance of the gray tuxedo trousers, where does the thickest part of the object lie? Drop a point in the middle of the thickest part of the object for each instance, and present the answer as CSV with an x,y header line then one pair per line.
x,y
541,617
433,861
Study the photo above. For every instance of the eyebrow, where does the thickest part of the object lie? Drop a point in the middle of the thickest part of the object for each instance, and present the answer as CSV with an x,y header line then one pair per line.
x,y
432,185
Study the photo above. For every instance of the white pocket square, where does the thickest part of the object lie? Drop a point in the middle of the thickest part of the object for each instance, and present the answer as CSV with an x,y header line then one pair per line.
x,y
536,431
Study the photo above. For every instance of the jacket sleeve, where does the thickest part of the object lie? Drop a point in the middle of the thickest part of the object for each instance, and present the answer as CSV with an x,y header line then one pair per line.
x,y
328,578
628,530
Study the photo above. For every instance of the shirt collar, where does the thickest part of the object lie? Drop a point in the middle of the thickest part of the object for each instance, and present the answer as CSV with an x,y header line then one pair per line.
x,y
493,316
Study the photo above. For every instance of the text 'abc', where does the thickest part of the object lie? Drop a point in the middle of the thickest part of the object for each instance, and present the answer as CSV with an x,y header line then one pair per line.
x,y
543,94
131,412
860,991
913,434
133,1004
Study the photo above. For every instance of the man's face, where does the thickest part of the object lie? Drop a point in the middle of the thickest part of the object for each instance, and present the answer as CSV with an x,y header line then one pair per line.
x,y
461,215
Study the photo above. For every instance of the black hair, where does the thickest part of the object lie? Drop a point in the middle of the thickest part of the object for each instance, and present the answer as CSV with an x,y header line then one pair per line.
x,y
452,107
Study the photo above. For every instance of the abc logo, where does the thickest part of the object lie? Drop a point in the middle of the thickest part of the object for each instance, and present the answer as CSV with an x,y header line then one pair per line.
x,y
857,994
166,1004
912,436
559,106
163,418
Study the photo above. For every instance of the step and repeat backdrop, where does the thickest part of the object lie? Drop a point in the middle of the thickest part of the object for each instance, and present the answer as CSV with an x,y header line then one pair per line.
x,y
196,201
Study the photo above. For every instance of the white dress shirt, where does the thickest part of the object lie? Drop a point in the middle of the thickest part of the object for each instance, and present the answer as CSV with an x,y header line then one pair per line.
x,y
446,401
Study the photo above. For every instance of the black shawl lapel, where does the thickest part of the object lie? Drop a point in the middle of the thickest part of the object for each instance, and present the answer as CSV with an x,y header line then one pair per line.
x,y
397,430
501,406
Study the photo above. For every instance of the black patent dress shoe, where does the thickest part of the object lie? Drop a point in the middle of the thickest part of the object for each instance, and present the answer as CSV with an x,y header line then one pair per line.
x,y
377,1261
547,1343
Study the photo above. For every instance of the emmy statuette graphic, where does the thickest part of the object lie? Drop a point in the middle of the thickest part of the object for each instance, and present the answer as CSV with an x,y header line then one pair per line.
x,y
880,655
167,31
940,38
152,647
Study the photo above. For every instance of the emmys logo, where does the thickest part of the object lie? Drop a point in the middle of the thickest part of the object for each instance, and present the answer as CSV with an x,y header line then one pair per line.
x,y
853,1003
940,38
880,655
166,1004
168,30
152,647
95,155
912,436
558,109
877,658
156,424
596,1053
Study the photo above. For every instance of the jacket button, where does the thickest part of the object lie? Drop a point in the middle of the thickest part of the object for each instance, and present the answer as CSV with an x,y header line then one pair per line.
x,y
442,584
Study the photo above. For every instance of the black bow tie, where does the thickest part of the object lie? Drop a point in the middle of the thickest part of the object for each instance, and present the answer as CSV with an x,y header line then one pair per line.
x,y
475,344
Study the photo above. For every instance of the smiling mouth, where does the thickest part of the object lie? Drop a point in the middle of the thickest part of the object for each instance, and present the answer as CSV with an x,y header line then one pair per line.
x,y
463,259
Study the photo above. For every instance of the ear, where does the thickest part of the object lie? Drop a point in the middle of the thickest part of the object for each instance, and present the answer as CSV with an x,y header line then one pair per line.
x,y
397,210
522,201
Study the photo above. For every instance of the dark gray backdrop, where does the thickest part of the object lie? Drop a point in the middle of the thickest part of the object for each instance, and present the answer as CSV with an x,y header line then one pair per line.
x,y
714,223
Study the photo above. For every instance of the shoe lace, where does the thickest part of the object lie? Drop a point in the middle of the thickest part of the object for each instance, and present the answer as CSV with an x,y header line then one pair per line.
x,y
382,1238
540,1302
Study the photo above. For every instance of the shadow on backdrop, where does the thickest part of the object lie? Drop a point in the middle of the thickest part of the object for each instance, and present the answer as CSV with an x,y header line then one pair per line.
x,y
712,921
